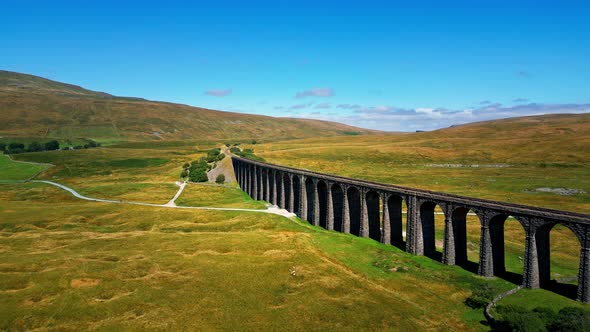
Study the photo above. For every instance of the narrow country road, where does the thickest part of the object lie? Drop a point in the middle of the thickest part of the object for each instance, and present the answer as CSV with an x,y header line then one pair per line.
x,y
171,204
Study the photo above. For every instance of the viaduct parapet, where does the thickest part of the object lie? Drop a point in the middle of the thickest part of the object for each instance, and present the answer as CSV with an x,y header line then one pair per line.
x,y
354,206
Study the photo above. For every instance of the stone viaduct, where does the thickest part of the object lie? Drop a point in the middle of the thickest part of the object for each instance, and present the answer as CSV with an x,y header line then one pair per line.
x,y
374,210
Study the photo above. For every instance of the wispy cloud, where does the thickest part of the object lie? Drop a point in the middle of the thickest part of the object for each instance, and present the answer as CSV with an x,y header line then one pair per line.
x,y
317,92
520,100
391,118
299,106
218,93
323,106
485,102
523,74
349,106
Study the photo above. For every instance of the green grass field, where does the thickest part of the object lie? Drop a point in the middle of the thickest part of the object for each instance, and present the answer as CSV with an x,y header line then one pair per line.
x,y
68,264
17,171
199,194
107,266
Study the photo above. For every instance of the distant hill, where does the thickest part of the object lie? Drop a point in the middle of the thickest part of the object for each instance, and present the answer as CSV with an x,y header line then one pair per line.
x,y
37,107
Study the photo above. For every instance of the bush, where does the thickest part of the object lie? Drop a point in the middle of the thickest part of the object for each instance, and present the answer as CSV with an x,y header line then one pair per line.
x,y
15,148
2,147
186,165
547,315
212,155
184,173
572,320
52,145
235,150
220,179
481,296
220,157
199,176
36,147
516,318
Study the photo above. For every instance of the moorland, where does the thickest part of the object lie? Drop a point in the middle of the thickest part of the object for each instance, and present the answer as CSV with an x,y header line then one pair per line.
x,y
69,264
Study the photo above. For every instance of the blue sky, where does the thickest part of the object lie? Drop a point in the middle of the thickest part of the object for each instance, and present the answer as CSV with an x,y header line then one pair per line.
x,y
389,65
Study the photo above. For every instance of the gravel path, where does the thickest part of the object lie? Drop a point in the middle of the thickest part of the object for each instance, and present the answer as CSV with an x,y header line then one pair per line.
x,y
269,210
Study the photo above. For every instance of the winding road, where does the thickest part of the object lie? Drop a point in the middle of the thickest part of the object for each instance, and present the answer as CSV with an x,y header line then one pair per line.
x,y
170,204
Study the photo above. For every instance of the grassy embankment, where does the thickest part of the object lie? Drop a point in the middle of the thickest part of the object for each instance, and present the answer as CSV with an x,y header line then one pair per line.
x,y
549,151
71,264
17,171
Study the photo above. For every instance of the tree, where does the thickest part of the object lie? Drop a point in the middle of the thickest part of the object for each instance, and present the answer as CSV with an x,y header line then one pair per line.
x,y
52,145
15,148
199,176
36,147
220,179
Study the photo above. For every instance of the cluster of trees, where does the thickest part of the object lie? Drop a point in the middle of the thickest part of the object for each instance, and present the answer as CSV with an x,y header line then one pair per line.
x,y
517,318
197,170
214,155
246,153
236,144
14,148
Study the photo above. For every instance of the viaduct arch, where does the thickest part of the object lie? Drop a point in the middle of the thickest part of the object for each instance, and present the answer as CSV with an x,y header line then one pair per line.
x,y
374,210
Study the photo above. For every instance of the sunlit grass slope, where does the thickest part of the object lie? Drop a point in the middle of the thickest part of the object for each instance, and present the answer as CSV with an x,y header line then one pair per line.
x,y
505,160
36,107
106,266
67,264
14,171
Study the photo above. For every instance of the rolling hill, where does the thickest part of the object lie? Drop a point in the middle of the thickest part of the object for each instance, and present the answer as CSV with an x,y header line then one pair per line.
x,y
32,106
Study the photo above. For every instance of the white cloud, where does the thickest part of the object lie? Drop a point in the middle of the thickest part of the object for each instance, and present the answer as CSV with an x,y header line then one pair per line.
x,y
317,92
218,93
397,119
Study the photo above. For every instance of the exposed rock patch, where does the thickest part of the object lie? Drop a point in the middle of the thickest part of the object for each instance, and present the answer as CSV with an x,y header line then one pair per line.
x,y
84,282
559,191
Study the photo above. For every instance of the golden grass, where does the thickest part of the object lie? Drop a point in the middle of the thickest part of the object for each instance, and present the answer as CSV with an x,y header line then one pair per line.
x,y
129,267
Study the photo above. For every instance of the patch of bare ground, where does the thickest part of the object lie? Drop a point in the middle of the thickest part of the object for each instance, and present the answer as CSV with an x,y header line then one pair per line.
x,y
16,286
205,252
112,295
274,253
84,282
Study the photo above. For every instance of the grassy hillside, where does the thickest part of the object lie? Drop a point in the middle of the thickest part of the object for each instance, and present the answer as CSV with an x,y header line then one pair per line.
x,y
506,160
37,107
18,171
67,264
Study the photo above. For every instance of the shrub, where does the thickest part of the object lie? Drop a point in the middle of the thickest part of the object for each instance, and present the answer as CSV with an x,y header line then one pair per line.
x,y
199,176
481,296
212,155
235,150
572,320
220,156
2,147
547,315
184,173
220,179
186,165
52,145
36,147
15,148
